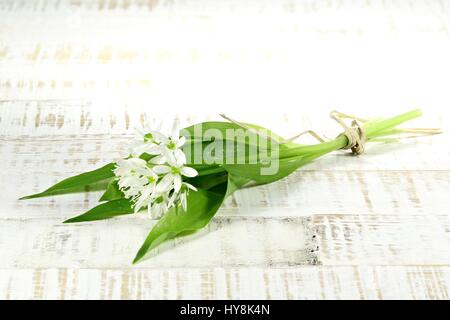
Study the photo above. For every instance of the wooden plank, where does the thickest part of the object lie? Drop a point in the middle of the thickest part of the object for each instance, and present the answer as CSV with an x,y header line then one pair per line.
x,y
384,239
77,49
304,193
389,207
348,192
33,243
232,241
83,129
380,282
430,153
55,118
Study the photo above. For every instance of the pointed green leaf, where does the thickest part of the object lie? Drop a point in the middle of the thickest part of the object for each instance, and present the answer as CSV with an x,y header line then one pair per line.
x,y
105,210
202,205
73,184
112,192
285,167
226,142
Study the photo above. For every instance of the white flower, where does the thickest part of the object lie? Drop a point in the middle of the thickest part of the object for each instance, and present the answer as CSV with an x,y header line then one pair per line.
x,y
159,206
136,180
147,141
170,146
173,173
175,141
156,184
184,191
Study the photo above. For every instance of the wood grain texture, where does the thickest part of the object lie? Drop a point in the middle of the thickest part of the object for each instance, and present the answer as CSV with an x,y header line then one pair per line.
x,y
383,239
83,126
362,192
54,118
84,49
319,282
224,242
76,77
231,242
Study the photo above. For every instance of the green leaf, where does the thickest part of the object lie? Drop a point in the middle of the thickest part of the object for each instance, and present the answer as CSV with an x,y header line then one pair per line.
x,y
202,205
235,183
73,184
209,181
286,166
105,210
208,156
112,192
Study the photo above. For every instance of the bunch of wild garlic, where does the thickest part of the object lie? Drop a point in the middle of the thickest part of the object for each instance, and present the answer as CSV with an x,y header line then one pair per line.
x,y
183,177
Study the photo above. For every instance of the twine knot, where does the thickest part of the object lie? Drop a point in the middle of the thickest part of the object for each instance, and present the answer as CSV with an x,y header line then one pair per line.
x,y
356,138
355,134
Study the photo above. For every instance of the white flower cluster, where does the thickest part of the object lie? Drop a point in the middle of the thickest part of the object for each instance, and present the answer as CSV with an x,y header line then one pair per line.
x,y
158,183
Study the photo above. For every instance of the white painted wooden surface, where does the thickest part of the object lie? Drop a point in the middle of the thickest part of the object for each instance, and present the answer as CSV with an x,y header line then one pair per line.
x,y
77,76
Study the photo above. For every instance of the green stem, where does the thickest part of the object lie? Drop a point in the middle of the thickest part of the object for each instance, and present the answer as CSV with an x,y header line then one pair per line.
x,y
333,145
307,153
372,129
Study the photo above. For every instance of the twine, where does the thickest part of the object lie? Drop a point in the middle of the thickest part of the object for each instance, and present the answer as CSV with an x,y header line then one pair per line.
x,y
246,127
355,134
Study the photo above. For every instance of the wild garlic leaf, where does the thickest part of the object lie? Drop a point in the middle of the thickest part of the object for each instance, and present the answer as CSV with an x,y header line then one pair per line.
x,y
228,131
202,205
73,184
240,144
112,192
254,171
208,156
105,210
209,181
